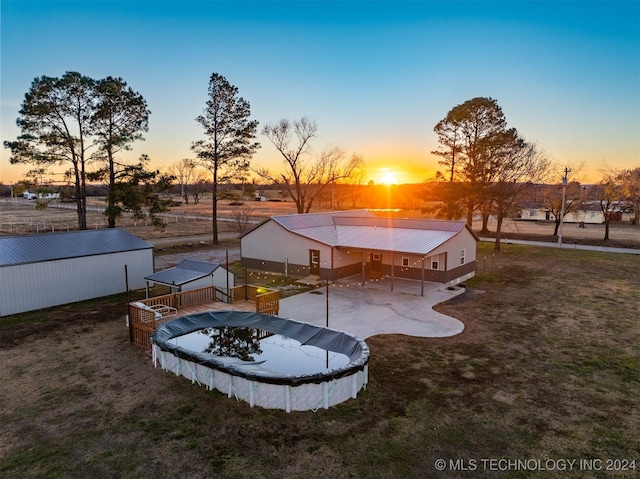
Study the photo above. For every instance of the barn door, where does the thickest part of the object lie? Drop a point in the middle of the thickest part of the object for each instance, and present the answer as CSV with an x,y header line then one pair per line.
x,y
314,261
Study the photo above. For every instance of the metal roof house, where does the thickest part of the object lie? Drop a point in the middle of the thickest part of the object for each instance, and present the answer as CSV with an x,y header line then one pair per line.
x,y
588,212
39,271
190,274
345,243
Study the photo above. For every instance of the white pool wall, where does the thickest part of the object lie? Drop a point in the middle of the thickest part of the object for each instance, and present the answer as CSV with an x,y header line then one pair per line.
x,y
304,397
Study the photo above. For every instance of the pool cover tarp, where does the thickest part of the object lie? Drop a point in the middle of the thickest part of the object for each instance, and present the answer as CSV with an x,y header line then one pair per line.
x,y
337,341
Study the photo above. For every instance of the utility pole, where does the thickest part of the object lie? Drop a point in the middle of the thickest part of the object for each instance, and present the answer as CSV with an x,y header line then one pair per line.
x,y
564,191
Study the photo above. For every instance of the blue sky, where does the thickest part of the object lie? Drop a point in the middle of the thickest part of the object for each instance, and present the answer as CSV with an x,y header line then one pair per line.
x,y
376,76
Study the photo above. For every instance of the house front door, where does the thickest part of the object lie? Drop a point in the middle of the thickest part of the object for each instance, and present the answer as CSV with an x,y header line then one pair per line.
x,y
314,261
376,262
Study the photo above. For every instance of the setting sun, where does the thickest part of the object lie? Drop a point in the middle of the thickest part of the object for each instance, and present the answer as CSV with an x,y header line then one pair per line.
x,y
387,177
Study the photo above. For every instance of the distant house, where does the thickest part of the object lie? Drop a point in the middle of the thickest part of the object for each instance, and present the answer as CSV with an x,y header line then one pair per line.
x,y
535,212
588,212
191,274
50,269
339,244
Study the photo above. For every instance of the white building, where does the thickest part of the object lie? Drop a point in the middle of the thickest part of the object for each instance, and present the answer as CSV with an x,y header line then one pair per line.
x,y
39,271
190,274
339,244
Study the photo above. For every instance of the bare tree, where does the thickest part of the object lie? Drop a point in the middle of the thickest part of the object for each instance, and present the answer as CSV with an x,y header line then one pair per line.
x,y
521,166
630,183
199,187
611,198
305,178
241,216
552,194
348,187
184,170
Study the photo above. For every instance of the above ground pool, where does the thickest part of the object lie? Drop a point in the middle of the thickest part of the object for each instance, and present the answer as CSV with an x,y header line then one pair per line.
x,y
263,359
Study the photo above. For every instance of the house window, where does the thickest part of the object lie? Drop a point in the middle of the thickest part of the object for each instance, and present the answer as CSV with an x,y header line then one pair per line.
x,y
405,261
462,256
376,256
434,265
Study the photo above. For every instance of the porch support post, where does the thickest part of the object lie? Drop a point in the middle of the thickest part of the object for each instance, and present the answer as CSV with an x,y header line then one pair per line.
x,y
393,260
362,274
422,278
331,273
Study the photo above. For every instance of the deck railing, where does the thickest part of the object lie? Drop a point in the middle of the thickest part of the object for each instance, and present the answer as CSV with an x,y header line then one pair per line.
x,y
142,321
268,303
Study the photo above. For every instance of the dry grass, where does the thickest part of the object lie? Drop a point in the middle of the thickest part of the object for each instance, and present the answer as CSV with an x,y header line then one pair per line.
x,y
547,367
21,217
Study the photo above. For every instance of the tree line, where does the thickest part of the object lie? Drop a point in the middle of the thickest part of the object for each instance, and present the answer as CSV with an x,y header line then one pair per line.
x,y
489,168
77,121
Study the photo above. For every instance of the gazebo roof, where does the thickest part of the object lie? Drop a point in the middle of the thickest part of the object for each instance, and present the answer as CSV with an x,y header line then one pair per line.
x,y
185,272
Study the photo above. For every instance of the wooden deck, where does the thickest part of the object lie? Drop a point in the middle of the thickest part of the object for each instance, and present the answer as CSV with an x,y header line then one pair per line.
x,y
216,306
146,315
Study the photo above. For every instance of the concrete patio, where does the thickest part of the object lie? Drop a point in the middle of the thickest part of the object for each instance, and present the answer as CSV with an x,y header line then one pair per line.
x,y
375,309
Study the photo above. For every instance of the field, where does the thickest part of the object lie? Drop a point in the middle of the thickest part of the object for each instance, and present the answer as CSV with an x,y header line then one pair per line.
x,y
22,217
547,369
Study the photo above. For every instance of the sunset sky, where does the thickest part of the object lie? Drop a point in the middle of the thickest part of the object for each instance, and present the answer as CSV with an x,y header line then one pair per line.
x,y
375,76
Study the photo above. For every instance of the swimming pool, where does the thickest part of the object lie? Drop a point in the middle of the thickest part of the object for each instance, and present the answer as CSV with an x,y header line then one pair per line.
x,y
262,359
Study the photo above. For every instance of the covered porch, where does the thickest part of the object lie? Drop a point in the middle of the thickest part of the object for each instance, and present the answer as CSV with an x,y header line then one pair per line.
x,y
389,268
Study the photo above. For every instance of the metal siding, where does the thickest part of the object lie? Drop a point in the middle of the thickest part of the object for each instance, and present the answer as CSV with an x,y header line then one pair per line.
x,y
51,283
465,240
345,258
408,237
220,278
63,245
217,279
271,242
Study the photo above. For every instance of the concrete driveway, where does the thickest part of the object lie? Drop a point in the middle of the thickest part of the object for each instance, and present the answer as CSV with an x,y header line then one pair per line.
x,y
374,309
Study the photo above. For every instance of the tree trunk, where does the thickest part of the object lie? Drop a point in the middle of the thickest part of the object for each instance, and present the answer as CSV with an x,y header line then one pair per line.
x,y
485,222
214,216
81,194
300,202
557,225
470,213
78,196
111,200
498,233
606,228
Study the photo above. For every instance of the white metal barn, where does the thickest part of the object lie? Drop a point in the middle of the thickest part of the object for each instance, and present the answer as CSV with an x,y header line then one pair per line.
x,y
39,271
346,243
190,274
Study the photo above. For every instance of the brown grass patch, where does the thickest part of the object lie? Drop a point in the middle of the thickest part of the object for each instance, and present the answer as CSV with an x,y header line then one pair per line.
x,y
547,367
